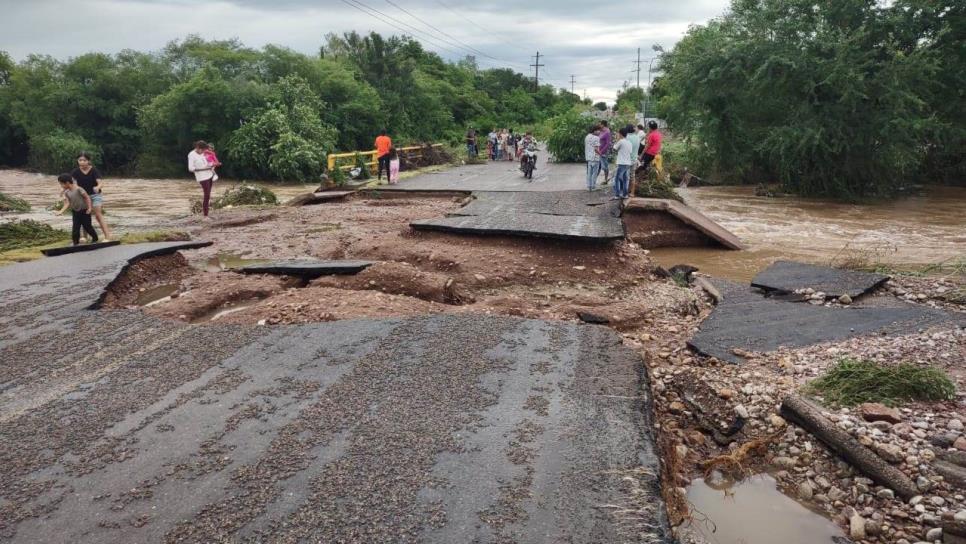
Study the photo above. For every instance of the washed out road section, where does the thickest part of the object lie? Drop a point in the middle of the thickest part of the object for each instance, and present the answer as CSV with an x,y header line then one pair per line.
x,y
747,320
121,427
572,215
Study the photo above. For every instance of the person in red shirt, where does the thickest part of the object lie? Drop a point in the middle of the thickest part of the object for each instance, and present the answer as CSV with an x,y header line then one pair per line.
x,y
383,145
652,144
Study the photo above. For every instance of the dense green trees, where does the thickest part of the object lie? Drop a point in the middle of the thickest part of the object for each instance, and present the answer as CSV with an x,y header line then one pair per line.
x,y
849,98
272,113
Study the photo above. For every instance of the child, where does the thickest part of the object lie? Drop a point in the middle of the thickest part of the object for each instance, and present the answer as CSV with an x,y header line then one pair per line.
x,y
212,161
80,206
393,166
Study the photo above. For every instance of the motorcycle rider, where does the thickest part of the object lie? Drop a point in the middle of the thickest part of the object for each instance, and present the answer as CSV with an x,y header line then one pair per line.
x,y
529,146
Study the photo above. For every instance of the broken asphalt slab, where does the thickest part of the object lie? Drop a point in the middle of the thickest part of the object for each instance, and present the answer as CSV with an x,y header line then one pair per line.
x,y
116,426
306,268
789,276
687,215
749,321
575,215
66,250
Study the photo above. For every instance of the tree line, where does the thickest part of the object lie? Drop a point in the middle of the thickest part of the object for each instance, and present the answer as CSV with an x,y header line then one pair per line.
x,y
273,113
846,98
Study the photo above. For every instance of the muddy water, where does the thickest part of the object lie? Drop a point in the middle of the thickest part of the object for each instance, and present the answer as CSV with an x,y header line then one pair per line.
x,y
129,204
755,512
925,228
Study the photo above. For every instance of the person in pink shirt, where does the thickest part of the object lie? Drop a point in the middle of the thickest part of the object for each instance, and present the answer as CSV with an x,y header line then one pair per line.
x,y
652,144
212,161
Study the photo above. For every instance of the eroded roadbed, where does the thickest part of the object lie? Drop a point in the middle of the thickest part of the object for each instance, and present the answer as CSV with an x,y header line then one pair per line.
x,y
120,427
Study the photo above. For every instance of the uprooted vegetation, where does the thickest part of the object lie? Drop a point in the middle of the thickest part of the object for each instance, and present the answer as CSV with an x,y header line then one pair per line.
x,y
29,233
242,195
13,204
852,382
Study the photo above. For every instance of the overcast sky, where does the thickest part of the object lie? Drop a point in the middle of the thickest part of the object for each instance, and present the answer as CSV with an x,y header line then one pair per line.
x,y
595,41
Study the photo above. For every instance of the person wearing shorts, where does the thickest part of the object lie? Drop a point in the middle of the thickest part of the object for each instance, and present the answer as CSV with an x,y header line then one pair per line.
x,y
87,177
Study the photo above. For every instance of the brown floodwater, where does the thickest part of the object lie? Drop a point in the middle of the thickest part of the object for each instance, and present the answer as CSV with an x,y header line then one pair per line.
x,y
754,511
129,203
924,228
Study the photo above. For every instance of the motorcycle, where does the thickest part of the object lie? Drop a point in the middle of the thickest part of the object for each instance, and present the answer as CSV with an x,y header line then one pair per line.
x,y
529,162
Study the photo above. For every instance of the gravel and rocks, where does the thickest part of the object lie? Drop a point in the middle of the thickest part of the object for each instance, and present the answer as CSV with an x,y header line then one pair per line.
x,y
915,437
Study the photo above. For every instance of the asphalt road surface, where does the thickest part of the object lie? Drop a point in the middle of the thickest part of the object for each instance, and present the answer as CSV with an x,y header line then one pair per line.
x,y
503,176
118,427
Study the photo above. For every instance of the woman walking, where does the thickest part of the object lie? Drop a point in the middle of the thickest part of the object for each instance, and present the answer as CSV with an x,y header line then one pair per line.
x,y
204,172
88,178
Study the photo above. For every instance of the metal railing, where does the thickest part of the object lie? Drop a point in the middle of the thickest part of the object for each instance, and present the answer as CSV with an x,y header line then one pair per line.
x,y
411,152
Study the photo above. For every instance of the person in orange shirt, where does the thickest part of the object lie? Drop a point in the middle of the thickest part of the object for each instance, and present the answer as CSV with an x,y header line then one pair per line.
x,y
383,145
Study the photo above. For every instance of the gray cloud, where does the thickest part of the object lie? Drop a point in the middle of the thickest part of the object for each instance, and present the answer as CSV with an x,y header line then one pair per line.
x,y
596,42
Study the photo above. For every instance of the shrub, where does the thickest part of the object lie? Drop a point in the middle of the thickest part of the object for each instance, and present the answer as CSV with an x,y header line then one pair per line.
x,y
246,195
567,132
13,204
57,151
852,382
338,176
287,139
28,233
363,167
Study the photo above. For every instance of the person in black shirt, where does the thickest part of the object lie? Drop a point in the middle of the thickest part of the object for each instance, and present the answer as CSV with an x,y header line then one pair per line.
x,y
88,178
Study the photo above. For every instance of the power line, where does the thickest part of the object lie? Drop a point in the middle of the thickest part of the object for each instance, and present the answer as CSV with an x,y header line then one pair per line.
x,y
468,46
471,21
572,81
372,12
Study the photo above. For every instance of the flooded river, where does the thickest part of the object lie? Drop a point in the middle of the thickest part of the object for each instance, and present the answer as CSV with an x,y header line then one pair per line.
x,y
925,228
130,204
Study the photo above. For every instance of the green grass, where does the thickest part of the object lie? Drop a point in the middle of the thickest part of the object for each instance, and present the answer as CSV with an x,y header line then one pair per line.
x,y
851,382
13,204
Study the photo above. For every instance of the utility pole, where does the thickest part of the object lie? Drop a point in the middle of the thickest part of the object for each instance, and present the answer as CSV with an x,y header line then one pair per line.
x,y
572,81
638,67
536,77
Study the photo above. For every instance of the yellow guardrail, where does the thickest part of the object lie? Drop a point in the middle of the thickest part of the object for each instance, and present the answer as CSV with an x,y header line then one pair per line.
x,y
411,152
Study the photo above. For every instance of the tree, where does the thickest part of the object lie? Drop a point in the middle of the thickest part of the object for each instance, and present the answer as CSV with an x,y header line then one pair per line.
x,y
821,97
600,106
286,139
630,100
206,107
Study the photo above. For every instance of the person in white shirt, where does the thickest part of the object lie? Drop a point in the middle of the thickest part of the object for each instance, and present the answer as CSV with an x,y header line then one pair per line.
x,y
592,156
204,173
625,160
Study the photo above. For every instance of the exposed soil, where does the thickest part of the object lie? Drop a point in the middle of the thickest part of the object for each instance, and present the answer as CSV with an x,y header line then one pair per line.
x,y
425,273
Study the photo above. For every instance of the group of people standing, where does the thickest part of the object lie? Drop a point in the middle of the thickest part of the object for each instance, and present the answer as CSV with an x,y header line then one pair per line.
x,y
634,147
82,193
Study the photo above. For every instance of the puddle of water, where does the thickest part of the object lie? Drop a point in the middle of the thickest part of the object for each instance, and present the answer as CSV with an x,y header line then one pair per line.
x,y
156,295
754,511
919,229
227,261
225,310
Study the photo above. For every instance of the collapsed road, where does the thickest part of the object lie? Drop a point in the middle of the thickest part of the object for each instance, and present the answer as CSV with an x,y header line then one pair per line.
x,y
117,426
